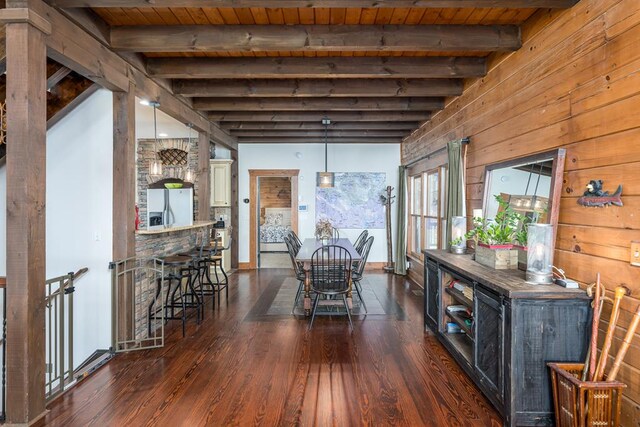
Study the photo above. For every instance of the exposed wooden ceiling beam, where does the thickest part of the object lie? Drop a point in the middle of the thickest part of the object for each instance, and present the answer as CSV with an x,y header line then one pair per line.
x,y
60,74
301,68
512,4
313,38
316,116
315,104
318,87
308,140
234,126
319,133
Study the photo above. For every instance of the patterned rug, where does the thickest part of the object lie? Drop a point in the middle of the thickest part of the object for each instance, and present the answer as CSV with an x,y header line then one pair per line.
x,y
277,302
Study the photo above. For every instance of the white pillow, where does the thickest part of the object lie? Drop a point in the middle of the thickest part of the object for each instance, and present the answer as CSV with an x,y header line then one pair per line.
x,y
273,219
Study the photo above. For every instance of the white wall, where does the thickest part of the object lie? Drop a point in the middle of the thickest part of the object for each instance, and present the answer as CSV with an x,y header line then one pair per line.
x,y
79,215
341,158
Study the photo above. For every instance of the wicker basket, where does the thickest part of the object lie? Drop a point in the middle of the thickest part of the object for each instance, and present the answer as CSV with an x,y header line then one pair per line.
x,y
584,403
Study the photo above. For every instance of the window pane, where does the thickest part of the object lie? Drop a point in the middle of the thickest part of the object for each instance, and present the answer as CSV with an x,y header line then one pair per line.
x,y
433,193
416,242
431,228
416,199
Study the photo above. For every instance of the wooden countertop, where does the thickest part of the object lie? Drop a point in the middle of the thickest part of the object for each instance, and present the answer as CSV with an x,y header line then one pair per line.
x,y
196,224
509,283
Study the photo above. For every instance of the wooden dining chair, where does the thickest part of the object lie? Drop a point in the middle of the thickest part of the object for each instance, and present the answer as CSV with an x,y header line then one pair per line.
x,y
359,243
297,268
331,276
359,266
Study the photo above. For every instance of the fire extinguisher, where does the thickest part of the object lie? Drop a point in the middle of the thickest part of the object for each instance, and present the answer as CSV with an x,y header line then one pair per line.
x,y
137,217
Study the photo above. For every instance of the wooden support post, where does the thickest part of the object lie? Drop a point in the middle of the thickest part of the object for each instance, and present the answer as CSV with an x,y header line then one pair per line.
x,y
124,179
26,182
234,208
204,184
124,185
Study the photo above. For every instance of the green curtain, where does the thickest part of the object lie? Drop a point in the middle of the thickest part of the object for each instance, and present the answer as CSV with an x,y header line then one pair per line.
x,y
455,185
401,244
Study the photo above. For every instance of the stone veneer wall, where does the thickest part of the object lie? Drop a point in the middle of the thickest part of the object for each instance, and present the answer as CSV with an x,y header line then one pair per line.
x,y
149,246
146,153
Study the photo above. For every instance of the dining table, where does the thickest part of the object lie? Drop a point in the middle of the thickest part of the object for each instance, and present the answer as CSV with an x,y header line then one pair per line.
x,y
304,255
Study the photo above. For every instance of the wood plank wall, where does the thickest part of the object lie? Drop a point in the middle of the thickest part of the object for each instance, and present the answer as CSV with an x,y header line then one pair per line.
x,y
575,83
275,192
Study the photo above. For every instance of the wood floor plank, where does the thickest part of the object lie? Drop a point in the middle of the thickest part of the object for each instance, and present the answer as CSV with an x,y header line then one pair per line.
x,y
241,366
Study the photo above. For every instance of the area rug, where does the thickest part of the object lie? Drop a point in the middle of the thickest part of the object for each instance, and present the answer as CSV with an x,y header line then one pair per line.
x,y
277,302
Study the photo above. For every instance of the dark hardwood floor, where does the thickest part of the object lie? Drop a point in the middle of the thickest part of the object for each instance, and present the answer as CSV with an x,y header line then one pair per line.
x,y
235,370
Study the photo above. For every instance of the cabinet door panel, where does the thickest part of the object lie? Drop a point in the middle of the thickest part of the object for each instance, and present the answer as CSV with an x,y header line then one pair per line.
x,y
489,333
432,293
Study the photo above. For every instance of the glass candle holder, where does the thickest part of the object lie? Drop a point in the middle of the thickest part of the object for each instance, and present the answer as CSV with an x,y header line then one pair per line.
x,y
458,230
539,254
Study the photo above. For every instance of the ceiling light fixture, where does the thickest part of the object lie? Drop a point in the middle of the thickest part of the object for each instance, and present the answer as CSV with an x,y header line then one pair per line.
x,y
189,175
325,179
155,166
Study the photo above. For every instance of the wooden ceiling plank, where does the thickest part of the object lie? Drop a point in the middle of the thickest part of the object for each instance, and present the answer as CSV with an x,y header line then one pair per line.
x,y
316,104
399,16
306,16
260,15
183,15
384,125
291,16
316,116
322,16
325,38
242,16
307,140
275,16
338,16
320,133
302,88
378,4
167,16
213,16
376,67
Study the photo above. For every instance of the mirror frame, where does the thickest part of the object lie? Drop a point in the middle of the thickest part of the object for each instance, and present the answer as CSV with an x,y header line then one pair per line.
x,y
557,175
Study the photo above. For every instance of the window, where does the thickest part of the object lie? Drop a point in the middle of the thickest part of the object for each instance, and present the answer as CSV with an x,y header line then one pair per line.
x,y
427,210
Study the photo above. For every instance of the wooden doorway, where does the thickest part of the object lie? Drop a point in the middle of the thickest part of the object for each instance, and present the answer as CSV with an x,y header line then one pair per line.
x,y
254,175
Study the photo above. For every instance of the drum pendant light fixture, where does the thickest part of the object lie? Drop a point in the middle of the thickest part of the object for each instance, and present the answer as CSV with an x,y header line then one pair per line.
x,y
189,175
325,179
155,166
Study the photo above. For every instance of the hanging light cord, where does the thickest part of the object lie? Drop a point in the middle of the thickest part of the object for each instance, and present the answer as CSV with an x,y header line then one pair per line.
x,y
155,131
325,147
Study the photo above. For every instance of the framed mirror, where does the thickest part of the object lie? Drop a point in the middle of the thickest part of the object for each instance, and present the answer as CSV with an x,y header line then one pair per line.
x,y
531,185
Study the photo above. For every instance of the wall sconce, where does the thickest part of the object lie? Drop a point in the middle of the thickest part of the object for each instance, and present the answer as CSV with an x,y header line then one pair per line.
x,y
458,230
539,254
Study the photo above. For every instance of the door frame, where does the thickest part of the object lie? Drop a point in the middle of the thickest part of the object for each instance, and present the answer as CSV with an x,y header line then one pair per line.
x,y
254,174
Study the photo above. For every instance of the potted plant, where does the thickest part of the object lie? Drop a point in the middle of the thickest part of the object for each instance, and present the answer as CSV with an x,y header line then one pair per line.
x,y
495,239
324,231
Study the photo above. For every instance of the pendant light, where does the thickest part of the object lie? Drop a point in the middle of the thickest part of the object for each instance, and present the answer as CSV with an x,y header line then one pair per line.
x,y
189,175
325,179
155,166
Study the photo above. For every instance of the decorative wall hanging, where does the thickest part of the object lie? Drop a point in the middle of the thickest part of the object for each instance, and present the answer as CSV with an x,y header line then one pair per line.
x,y
595,196
354,201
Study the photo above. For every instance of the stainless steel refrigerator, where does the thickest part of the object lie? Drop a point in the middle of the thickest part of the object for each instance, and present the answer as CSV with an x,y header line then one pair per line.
x,y
169,208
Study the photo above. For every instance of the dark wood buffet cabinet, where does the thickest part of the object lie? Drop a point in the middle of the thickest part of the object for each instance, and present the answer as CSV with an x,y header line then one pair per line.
x,y
503,331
